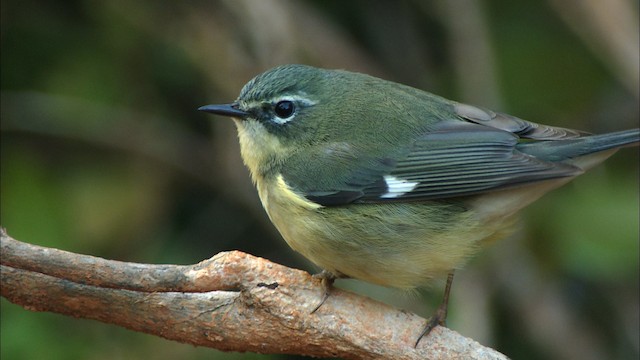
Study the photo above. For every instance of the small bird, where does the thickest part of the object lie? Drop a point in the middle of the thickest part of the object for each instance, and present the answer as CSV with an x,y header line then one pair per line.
x,y
378,181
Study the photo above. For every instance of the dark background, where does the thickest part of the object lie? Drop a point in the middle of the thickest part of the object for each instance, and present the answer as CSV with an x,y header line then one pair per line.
x,y
104,153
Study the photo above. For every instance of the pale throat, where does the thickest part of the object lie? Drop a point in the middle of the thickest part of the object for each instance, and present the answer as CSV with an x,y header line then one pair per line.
x,y
261,151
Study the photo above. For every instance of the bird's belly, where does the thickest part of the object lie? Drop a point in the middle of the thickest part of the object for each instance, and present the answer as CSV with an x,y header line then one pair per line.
x,y
401,245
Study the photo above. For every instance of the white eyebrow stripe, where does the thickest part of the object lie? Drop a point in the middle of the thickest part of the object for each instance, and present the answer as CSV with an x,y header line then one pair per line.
x,y
293,98
397,187
275,100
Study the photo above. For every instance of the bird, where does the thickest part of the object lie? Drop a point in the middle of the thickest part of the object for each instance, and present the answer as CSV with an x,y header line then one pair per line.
x,y
382,182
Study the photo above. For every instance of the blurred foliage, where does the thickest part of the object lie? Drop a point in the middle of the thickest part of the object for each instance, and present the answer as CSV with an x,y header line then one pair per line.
x,y
102,151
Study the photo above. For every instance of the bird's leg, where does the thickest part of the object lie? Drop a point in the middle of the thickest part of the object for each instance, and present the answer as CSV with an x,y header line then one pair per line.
x,y
440,317
327,279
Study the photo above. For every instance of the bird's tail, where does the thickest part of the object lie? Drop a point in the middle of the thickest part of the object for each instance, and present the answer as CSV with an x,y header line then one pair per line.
x,y
562,150
584,152
612,140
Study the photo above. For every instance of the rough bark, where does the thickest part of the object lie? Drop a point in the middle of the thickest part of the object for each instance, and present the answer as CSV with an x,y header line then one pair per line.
x,y
231,302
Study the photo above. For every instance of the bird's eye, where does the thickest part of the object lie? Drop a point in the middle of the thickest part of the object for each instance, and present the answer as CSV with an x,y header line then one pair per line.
x,y
284,109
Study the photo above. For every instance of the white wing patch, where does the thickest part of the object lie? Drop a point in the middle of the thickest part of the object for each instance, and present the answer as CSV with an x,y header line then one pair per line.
x,y
397,187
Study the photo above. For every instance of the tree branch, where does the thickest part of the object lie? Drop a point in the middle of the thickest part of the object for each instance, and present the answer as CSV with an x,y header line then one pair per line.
x,y
231,302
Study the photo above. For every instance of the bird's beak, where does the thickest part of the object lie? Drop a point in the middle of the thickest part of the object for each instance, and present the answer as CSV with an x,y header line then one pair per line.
x,y
231,110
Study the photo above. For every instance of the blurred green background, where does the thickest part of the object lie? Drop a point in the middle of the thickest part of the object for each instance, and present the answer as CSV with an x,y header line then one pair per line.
x,y
104,153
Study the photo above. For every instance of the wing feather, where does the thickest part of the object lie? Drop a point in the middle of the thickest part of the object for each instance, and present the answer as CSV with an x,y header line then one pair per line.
x,y
455,159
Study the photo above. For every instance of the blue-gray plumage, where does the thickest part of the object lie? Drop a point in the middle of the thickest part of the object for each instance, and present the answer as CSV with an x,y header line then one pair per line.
x,y
385,183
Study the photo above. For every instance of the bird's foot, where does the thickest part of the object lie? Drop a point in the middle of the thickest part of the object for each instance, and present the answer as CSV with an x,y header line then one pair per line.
x,y
327,279
440,317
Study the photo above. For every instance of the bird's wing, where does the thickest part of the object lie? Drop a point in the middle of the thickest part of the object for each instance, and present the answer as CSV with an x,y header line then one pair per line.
x,y
456,158
523,128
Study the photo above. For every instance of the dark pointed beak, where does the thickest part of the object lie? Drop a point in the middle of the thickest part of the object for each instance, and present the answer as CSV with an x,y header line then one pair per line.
x,y
231,110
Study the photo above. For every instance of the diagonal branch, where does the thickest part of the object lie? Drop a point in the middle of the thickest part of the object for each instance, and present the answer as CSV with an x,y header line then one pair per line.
x,y
231,302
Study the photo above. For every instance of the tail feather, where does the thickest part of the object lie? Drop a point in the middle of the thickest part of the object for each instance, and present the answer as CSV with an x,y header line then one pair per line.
x,y
562,150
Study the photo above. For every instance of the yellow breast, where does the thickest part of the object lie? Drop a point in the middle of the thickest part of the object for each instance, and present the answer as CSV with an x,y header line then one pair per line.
x,y
402,245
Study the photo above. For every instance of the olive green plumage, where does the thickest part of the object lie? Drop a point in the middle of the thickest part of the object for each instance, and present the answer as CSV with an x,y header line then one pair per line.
x,y
389,184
